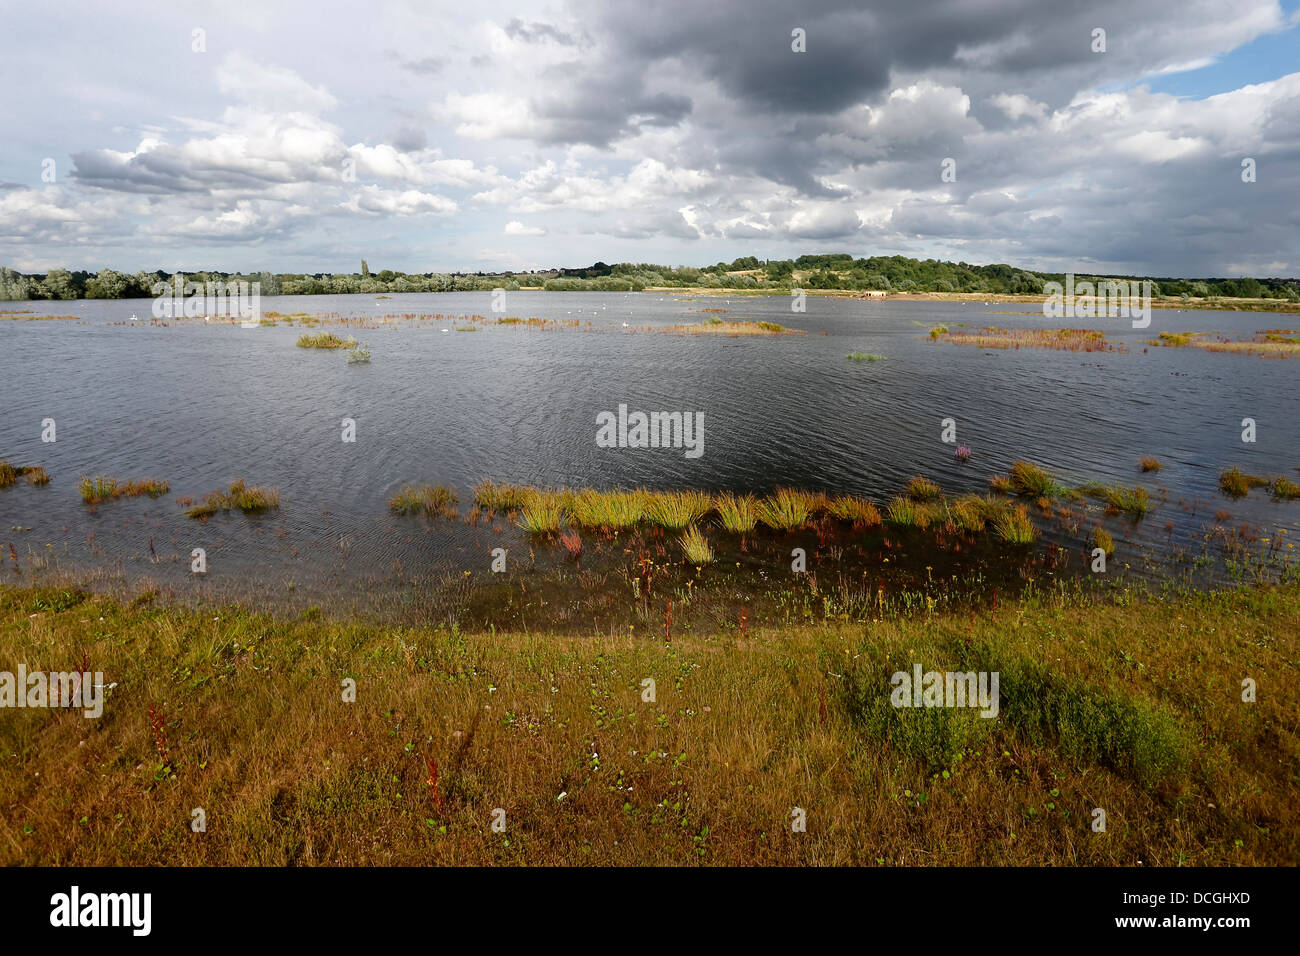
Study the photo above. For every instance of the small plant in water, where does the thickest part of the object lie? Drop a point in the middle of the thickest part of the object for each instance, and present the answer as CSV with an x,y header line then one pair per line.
x,y
962,454
432,500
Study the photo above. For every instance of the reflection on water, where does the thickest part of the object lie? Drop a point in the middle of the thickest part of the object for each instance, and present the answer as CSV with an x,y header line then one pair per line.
x,y
201,405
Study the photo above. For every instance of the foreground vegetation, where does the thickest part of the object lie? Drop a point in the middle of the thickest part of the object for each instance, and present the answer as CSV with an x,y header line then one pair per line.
x,y
1132,707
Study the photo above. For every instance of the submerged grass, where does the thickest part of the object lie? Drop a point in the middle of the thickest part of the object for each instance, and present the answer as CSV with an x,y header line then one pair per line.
x,y
239,497
101,488
431,500
1131,501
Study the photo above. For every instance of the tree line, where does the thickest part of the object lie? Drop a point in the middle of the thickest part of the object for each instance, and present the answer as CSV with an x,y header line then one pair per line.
x,y
820,271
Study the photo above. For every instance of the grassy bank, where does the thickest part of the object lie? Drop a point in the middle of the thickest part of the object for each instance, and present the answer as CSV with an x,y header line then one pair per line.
x,y
1131,707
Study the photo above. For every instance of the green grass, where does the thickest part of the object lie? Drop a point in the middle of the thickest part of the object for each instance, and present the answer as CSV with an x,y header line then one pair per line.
x,y
542,514
496,497
1284,489
864,357
608,510
1100,538
860,511
100,489
675,510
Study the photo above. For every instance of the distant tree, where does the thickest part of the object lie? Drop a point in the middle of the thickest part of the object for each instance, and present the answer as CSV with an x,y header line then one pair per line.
x,y
108,284
365,269
58,284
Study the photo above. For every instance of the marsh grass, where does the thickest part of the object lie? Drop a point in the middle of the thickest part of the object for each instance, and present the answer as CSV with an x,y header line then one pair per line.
x,y
1235,483
1014,526
496,497
609,510
541,514
786,509
1131,501
923,489
864,357
1079,727
696,547
1001,484
1148,463
435,501
102,488
738,513
1064,340
863,513
1031,481
325,340
1101,538
35,474
675,510
1285,489
239,497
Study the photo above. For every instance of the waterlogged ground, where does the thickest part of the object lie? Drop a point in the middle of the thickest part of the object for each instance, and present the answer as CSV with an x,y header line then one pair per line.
x,y
201,404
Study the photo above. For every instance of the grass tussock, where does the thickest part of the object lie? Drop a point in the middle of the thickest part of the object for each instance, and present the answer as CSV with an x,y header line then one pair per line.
x,y
675,510
1031,481
860,511
494,497
34,474
1101,538
1149,464
787,509
434,501
738,513
239,497
864,357
696,547
923,489
1014,526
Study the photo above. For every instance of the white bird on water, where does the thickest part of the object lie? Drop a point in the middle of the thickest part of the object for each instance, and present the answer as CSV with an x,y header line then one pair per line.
x,y
134,317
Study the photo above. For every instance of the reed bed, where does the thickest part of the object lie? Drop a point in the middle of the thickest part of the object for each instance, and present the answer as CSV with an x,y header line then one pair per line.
x,y
1061,340
239,497
435,501
717,326
102,488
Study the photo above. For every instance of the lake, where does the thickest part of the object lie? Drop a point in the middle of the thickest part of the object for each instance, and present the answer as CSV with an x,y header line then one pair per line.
x,y
202,404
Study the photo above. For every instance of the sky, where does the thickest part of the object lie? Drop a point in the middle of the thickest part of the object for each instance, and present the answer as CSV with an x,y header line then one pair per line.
x,y
454,137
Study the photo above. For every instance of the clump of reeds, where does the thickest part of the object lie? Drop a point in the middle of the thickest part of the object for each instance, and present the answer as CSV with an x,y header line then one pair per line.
x,y
675,510
908,513
938,331
35,474
786,508
864,357
1285,489
861,512
739,513
1100,538
541,514
1235,483
432,500
1033,482
358,354
608,510
1149,463
923,489
101,488
1014,526
1065,340
696,547
969,512
1134,501
325,340
496,497
239,497
1001,485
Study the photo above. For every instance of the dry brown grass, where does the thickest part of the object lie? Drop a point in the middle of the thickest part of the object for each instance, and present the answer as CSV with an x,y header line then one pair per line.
x,y
744,729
